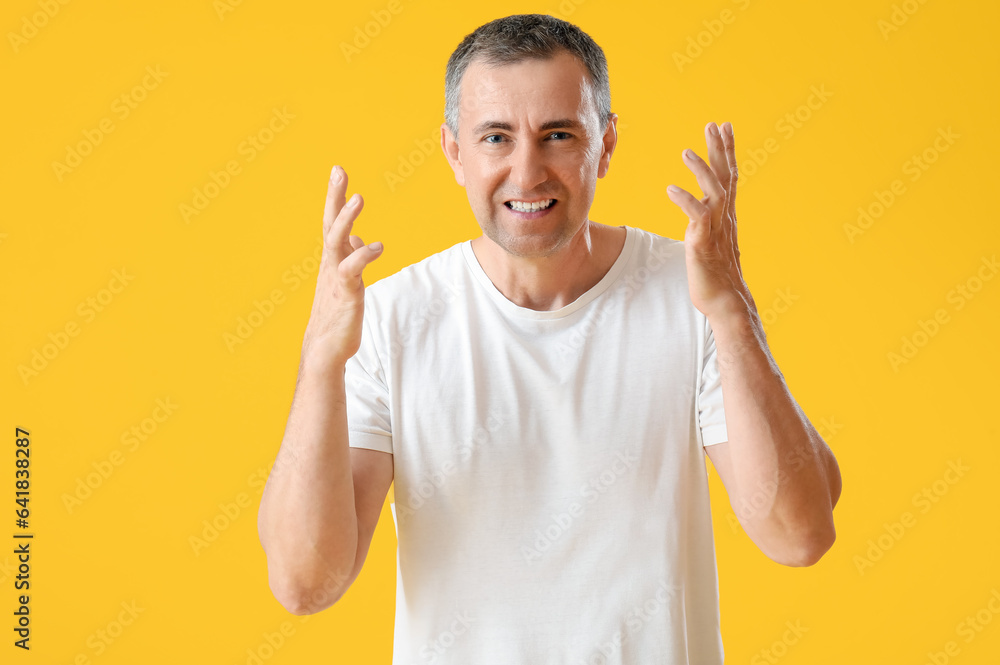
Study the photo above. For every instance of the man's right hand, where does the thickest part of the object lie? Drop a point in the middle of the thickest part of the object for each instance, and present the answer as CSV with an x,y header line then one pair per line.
x,y
334,331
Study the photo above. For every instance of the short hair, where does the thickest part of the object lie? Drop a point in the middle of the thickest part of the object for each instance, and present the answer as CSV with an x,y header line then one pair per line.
x,y
512,39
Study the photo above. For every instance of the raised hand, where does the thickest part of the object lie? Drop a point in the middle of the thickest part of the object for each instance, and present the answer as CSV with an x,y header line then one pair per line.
x,y
333,333
712,255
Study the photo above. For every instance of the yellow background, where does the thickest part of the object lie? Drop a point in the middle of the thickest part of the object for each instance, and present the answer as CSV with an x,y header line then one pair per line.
x,y
894,429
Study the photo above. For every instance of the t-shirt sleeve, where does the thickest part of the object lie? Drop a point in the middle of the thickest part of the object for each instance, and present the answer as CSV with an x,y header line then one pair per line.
x,y
711,416
368,413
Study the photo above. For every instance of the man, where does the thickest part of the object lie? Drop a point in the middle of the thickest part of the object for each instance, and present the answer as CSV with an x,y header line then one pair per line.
x,y
543,395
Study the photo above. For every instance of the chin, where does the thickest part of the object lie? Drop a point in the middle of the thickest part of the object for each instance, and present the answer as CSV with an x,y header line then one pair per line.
x,y
528,245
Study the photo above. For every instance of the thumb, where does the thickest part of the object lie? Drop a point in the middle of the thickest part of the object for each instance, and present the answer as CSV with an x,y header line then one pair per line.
x,y
694,233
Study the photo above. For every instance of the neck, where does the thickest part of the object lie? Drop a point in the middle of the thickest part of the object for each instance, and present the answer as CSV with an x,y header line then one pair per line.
x,y
554,281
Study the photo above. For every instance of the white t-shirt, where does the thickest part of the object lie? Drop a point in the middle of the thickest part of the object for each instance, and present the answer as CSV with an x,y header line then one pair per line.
x,y
551,493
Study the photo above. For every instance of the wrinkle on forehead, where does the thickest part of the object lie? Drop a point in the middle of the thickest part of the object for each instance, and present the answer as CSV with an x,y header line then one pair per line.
x,y
497,90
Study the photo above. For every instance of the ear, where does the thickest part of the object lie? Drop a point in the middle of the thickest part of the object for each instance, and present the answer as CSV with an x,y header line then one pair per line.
x,y
610,140
449,144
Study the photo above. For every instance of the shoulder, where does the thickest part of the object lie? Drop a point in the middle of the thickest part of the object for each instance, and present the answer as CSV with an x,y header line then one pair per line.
x,y
417,285
656,280
654,243
656,256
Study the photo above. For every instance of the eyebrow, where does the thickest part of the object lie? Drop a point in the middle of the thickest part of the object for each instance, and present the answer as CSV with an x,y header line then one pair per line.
x,y
561,123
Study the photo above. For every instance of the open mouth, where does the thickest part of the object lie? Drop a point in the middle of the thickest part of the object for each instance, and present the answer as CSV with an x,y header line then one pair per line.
x,y
529,207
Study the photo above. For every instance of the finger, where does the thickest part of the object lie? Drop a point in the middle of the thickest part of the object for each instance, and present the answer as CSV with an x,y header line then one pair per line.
x,y
338,238
350,269
357,242
729,144
720,166
707,180
699,214
730,147
335,191
717,155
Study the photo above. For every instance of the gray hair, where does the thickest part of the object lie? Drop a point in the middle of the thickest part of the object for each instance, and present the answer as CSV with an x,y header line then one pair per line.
x,y
512,39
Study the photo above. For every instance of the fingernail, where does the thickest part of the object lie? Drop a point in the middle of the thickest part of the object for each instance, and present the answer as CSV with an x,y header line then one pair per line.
x,y
377,246
353,201
674,188
689,154
714,128
335,174
729,128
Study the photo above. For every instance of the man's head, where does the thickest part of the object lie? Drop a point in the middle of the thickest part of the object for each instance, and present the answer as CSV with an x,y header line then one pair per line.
x,y
513,39
528,119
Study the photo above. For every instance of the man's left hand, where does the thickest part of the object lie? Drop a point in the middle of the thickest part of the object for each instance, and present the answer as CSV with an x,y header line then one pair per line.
x,y
712,256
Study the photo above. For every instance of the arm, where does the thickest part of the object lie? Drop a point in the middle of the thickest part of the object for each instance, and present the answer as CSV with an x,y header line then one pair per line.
x,y
310,517
782,479
777,464
307,521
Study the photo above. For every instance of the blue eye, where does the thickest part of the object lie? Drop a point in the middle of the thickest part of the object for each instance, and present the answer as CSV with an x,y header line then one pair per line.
x,y
487,139
563,133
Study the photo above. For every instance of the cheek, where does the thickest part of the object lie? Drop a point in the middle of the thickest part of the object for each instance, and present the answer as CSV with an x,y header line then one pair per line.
x,y
580,164
484,180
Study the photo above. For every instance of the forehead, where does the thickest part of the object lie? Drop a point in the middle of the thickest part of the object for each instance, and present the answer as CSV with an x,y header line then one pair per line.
x,y
558,85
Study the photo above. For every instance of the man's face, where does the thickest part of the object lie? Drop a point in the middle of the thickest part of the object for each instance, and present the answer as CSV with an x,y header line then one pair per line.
x,y
529,132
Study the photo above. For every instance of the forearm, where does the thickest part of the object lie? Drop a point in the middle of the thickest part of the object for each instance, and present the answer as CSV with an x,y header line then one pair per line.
x,y
785,475
307,521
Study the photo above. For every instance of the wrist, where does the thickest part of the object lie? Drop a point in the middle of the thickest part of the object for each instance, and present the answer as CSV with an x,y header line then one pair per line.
x,y
318,359
734,312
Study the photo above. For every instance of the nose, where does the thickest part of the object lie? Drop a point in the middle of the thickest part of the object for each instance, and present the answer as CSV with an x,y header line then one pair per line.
x,y
528,167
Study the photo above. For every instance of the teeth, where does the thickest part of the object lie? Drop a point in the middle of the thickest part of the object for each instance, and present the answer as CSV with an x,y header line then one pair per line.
x,y
521,206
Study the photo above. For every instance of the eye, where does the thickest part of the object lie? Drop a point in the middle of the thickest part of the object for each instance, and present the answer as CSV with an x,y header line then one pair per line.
x,y
493,136
566,134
